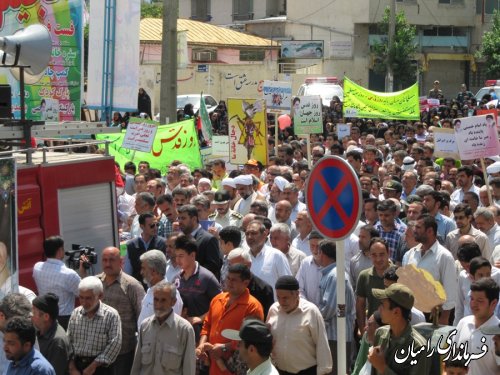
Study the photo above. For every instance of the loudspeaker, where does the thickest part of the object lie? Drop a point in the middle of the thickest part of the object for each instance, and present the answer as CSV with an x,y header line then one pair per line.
x,y
5,102
29,47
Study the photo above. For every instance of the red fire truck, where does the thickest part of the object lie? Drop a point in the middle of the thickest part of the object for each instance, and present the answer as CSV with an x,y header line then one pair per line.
x,y
61,192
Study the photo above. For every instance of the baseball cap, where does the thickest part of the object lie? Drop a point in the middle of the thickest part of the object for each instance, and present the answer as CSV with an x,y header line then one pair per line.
x,y
491,330
251,330
221,197
394,185
252,162
397,293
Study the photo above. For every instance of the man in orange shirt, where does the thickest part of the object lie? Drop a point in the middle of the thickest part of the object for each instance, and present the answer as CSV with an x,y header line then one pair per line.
x,y
227,310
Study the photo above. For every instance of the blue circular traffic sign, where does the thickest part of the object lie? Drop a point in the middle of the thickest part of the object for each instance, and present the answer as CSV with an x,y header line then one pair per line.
x,y
333,197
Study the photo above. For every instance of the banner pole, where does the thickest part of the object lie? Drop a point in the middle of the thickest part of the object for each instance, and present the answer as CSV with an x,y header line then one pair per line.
x,y
485,175
309,159
276,134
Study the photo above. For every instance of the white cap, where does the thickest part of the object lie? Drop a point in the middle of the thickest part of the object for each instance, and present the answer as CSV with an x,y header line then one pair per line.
x,y
280,182
228,182
408,163
243,179
494,168
205,180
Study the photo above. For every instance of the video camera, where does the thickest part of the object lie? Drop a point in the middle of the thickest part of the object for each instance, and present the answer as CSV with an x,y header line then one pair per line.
x,y
75,254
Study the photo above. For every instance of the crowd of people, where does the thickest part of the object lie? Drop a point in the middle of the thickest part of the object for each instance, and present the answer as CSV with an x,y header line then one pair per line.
x,y
222,272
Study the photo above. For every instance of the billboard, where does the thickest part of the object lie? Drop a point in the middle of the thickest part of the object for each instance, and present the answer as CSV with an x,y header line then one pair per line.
x,y
302,49
60,85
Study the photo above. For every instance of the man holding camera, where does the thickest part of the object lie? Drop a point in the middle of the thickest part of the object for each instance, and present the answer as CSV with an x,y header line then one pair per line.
x,y
53,276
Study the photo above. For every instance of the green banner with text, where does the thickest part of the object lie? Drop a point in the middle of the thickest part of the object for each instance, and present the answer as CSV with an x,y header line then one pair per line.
x,y
177,141
363,103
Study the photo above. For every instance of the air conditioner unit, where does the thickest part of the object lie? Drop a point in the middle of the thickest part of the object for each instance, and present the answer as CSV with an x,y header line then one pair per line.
x,y
204,55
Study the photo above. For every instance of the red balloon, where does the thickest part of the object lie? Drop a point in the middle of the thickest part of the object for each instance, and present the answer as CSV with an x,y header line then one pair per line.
x,y
284,121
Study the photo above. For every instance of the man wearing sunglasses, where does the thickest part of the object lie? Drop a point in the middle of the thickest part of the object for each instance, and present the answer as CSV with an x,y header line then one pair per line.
x,y
148,240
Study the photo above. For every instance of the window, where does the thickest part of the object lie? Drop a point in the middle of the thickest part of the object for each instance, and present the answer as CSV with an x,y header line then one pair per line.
x,y
200,10
242,10
252,55
490,6
444,1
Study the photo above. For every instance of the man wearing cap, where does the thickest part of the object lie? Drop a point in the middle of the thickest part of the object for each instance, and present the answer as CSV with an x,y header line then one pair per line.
x,y
301,344
393,189
247,194
52,340
390,341
253,167
227,311
435,92
224,215
255,346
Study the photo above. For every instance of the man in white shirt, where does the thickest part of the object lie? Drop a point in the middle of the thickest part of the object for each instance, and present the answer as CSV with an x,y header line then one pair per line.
x,y
280,239
465,182
304,227
301,344
247,195
309,274
53,276
436,259
291,193
484,299
268,263
485,222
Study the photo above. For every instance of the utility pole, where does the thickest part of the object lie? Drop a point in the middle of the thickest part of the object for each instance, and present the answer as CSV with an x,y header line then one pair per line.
x,y
389,76
168,84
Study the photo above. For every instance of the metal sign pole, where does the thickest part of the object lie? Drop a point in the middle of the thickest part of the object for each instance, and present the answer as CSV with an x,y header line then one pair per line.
x,y
341,321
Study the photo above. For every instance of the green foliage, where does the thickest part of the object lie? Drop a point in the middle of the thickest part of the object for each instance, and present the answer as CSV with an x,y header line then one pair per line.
x,y
490,48
154,10
401,55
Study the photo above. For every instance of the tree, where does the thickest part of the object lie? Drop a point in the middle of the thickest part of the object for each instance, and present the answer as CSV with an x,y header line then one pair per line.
x,y
154,10
401,55
490,48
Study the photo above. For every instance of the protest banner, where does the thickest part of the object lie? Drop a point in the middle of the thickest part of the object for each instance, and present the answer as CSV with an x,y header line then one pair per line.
x,y
307,114
343,130
445,145
476,137
493,112
278,96
177,141
247,130
57,95
140,134
363,103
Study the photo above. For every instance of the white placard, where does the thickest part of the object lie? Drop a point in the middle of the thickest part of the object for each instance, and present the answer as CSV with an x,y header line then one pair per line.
x,y
220,145
445,145
476,137
307,114
140,136
343,130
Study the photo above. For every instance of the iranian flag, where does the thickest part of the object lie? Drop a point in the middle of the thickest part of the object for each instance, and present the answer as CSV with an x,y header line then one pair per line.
x,y
204,123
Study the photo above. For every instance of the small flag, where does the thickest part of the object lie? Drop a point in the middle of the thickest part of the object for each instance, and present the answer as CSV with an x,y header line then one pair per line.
x,y
204,123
